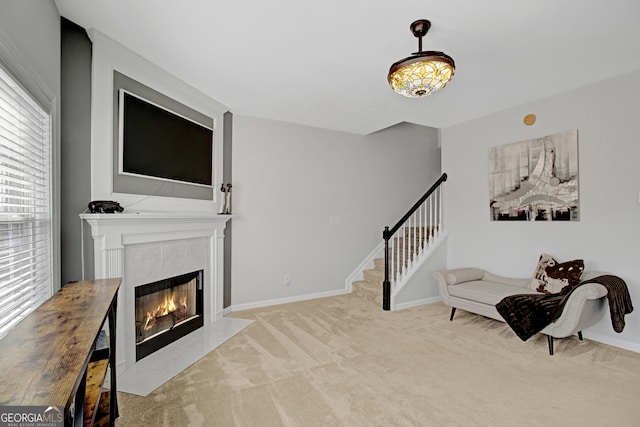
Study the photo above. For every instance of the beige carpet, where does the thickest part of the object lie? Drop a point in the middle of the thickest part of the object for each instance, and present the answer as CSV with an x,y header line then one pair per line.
x,y
341,361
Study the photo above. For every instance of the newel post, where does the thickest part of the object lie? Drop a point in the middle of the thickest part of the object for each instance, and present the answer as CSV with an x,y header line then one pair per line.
x,y
386,285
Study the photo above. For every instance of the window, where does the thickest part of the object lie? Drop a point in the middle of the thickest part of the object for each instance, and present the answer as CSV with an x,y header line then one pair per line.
x,y
25,204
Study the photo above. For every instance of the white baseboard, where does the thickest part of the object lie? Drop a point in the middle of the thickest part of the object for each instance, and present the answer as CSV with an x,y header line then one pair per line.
x,y
416,303
278,301
615,342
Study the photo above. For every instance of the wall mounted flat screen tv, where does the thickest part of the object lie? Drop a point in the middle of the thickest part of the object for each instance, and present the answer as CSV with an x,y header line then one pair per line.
x,y
160,144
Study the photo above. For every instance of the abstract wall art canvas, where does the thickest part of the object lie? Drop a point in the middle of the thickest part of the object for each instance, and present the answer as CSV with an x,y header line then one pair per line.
x,y
535,180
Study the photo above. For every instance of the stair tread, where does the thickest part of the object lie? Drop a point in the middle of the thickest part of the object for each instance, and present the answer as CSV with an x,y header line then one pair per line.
x,y
373,276
368,285
368,291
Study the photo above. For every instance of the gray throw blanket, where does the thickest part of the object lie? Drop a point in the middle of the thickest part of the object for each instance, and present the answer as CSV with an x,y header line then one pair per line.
x,y
528,314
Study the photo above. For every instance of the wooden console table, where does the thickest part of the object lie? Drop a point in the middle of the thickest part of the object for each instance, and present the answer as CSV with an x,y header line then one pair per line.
x,y
53,356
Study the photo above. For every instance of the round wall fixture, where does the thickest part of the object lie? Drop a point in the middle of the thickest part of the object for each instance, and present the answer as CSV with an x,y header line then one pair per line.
x,y
529,119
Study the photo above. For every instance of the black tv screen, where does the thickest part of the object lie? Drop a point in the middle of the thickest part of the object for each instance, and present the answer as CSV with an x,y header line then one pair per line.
x,y
158,143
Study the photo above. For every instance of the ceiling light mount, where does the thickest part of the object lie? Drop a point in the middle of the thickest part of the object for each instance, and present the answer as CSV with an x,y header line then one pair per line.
x,y
424,72
419,29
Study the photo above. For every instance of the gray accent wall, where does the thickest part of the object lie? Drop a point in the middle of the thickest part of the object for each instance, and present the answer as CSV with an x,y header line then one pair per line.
x,y
226,177
75,150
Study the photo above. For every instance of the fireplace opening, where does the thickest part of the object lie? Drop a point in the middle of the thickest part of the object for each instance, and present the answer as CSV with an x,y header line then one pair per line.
x,y
167,310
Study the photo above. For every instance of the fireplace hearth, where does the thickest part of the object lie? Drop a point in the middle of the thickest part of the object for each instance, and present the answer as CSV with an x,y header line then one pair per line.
x,y
167,310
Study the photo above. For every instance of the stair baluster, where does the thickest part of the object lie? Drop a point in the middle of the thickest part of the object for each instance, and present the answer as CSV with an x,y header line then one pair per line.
x,y
410,237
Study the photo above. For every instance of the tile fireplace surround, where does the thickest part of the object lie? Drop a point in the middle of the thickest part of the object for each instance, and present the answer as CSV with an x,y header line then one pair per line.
x,y
146,247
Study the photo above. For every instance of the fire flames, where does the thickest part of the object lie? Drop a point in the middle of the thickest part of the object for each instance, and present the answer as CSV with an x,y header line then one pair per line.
x,y
168,307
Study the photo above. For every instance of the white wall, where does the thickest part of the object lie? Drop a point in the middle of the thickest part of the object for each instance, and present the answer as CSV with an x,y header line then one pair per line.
x,y
421,287
607,236
289,180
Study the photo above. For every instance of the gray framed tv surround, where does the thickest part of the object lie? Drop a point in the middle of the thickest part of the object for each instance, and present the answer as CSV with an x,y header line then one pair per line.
x,y
131,184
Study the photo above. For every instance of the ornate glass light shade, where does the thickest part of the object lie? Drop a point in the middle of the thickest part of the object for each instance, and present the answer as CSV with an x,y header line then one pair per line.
x,y
422,73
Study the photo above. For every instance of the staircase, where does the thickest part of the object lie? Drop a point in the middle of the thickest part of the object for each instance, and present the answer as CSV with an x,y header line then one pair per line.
x,y
407,245
416,241
370,288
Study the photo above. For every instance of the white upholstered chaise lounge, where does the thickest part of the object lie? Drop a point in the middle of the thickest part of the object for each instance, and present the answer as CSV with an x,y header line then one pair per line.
x,y
478,291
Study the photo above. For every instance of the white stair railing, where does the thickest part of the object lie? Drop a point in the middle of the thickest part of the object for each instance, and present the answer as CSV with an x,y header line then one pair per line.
x,y
414,234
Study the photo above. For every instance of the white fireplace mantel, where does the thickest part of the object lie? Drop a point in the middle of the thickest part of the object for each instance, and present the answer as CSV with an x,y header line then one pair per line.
x,y
121,229
176,237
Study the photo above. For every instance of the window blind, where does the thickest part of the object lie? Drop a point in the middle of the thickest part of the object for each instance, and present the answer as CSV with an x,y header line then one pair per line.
x,y
25,218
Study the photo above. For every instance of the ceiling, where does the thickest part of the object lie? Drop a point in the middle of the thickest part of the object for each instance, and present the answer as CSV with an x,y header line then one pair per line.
x,y
325,63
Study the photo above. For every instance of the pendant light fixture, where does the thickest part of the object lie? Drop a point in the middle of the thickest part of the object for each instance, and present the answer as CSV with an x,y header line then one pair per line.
x,y
422,73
